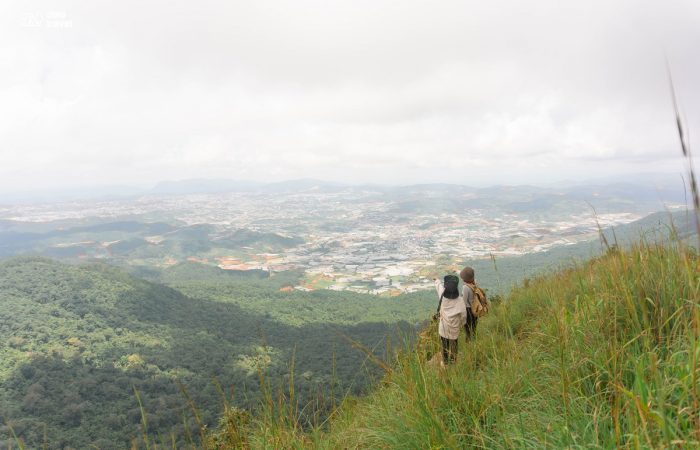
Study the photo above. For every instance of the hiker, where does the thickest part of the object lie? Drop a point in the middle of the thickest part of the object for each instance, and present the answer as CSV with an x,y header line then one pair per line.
x,y
468,293
452,314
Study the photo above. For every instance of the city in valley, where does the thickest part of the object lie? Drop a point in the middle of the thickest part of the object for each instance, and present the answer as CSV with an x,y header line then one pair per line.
x,y
365,239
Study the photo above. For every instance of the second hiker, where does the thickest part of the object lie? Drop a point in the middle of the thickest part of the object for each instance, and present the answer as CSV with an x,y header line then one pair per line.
x,y
475,301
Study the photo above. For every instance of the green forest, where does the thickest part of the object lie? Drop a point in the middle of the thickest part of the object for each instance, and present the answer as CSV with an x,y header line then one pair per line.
x,y
77,341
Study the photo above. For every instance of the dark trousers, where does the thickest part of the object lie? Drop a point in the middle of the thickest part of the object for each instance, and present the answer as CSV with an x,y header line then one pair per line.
x,y
470,326
449,350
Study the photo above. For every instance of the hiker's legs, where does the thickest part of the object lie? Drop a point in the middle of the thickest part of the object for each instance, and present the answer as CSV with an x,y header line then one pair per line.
x,y
470,326
449,350
445,349
453,350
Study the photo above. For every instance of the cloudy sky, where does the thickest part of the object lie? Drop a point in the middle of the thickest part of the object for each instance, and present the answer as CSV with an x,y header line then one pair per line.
x,y
471,92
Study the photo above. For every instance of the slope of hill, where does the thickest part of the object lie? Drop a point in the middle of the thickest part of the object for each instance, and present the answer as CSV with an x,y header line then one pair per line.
x,y
604,355
75,341
506,272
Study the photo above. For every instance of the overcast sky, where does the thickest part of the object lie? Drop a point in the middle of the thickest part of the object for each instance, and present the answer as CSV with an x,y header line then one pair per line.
x,y
487,92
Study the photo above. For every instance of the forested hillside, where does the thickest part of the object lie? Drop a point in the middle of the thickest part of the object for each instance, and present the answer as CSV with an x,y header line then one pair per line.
x,y
75,341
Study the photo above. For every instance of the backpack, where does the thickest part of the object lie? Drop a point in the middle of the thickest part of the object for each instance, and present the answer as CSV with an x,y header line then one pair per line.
x,y
480,305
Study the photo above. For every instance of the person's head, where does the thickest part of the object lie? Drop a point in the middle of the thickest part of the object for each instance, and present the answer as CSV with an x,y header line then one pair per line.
x,y
467,275
451,283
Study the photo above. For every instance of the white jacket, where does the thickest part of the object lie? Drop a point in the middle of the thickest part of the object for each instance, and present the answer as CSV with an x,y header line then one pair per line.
x,y
453,314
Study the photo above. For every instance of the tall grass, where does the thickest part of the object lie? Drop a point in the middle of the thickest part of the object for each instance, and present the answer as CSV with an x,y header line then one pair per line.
x,y
684,142
604,355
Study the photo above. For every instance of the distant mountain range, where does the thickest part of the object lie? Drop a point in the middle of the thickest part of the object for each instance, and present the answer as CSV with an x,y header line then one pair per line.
x,y
178,187
664,187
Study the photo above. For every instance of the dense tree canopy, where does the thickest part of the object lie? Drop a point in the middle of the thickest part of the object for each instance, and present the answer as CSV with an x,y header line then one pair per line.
x,y
75,341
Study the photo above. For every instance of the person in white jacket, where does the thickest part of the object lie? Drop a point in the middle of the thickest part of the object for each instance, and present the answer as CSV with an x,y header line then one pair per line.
x,y
452,316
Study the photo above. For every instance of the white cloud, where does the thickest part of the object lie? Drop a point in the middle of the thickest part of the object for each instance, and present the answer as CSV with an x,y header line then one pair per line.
x,y
390,91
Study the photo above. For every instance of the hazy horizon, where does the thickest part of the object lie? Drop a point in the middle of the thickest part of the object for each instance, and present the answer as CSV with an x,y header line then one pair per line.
x,y
669,181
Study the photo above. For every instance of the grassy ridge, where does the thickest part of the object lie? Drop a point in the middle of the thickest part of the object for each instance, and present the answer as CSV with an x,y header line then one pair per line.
x,y
604,355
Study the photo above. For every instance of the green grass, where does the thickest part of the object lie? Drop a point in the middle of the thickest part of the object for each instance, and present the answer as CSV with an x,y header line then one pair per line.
x,y
604,355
